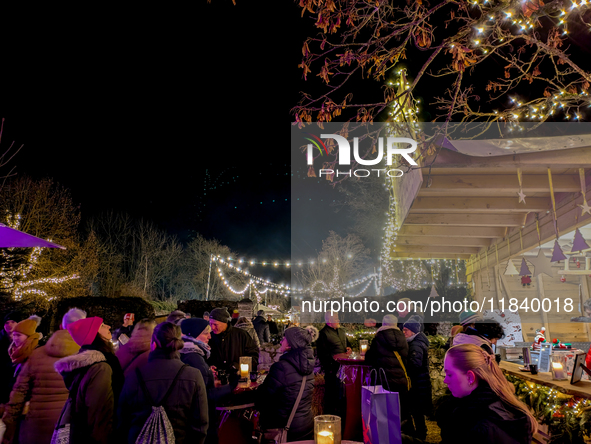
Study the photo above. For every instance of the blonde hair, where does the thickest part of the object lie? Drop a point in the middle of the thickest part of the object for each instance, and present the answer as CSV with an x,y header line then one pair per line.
x,y
470,357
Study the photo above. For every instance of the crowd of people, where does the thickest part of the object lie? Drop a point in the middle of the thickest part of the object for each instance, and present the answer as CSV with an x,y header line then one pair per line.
x,y
99,386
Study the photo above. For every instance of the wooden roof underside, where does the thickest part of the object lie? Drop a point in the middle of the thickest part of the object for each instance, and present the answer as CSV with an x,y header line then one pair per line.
x,y
468,204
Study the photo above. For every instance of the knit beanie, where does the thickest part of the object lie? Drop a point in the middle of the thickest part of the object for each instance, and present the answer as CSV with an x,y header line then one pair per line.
x,y
220,314
85,330
390,320
298,337
26,327
469,317
194,326
413,325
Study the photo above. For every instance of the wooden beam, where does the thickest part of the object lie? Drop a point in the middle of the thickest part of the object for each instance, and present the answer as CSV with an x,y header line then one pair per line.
x,y
467,220
480,205
425,249
402,256
496,185
429,230
438,241
570,158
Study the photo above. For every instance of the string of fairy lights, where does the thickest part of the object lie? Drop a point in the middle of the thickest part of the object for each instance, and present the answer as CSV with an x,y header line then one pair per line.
x,y
15,280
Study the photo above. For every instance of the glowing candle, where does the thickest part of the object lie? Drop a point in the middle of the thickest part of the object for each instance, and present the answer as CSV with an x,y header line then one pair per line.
x,y
558,371
363,345
244,371
325,437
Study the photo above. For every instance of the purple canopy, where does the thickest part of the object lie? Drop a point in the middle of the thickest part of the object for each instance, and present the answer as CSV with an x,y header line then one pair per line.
x,y
11,238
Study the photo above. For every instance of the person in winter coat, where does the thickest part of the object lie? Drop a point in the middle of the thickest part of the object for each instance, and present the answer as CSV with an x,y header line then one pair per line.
x,y
24,340
42,387
483,408
420,400
6,368
94,378
262,327
127,327
186,405
484,334
332,344
229,343
273,330
389,339
248,327
195,351
135,352
277,395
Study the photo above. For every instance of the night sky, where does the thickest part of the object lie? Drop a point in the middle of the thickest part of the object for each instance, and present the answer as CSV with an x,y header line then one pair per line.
x,y
175,116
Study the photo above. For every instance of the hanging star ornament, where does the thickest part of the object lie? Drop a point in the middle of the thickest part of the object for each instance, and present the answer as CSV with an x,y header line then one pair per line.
x,y
541,264
585,208
521,195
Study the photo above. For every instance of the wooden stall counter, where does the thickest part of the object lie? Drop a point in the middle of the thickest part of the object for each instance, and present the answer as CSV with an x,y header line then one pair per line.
x,y
582,388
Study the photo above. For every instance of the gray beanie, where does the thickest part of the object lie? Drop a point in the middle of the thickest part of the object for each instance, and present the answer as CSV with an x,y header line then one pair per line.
x,y
389,320
298,337
220,314
73,315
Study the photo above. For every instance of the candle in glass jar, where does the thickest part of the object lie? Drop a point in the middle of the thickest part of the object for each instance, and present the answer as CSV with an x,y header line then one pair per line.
x,y
325,437
244,370
363,349
558,370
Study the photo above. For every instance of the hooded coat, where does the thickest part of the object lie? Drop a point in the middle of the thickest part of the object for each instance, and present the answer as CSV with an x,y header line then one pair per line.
x,y
262,328
276,397
186,407
381,356
481,417
43,387
94,401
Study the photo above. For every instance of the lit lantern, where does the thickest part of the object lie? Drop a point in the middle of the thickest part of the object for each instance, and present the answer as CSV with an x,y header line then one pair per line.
x,y
327,429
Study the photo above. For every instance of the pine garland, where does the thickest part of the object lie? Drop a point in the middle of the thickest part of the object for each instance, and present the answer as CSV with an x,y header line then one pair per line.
x,y
568,417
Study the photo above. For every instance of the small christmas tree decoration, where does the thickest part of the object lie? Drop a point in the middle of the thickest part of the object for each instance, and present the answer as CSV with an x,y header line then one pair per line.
x,y
579,242
433,293
524,271
557,254
510,270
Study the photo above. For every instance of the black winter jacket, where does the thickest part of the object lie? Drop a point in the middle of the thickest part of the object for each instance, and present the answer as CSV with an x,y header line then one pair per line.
x,y
262,328
330,342
6,367
481,417
381,356
278,394
418,370
186,407
228,346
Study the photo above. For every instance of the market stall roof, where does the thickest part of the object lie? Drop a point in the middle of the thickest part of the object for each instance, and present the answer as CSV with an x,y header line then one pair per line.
x,y
13,238
466,204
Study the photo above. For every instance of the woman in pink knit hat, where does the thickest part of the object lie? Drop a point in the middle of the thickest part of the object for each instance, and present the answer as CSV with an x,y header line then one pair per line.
x,y
94,379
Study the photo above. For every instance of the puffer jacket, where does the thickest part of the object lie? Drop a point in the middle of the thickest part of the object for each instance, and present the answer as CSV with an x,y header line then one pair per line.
x,y
94,400
39,384
138,343
186,407
418,370
276,397
381,356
